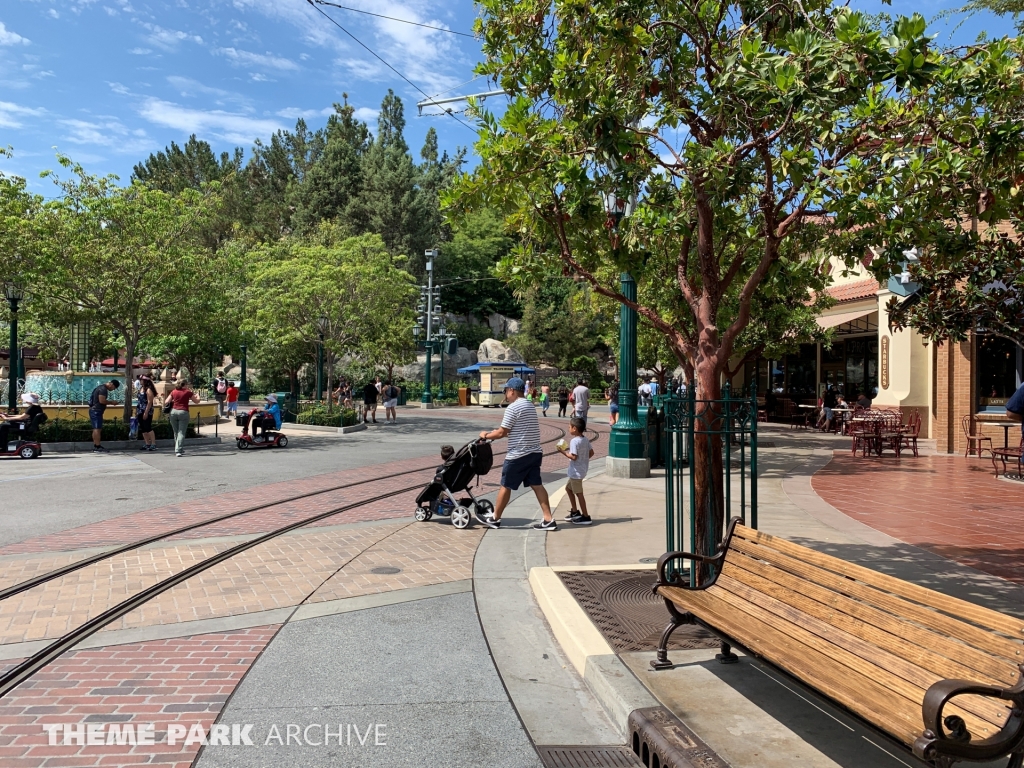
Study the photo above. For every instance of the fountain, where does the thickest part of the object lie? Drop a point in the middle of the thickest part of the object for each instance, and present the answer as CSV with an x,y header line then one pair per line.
x,y
70,388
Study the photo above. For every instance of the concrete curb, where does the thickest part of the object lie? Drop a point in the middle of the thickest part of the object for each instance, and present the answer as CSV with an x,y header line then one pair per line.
x,y
609,679
124,445
327,430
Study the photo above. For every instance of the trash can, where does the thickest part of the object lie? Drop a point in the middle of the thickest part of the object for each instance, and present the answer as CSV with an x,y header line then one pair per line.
x,y
464,396
401,395
289,406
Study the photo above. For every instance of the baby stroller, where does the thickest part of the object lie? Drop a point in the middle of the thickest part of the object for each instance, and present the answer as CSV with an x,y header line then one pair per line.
x,y
471,460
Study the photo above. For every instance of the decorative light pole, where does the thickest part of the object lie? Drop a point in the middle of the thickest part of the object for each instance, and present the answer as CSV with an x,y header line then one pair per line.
x,y
116,335
322,324
427,298
14,294
626,443
243,391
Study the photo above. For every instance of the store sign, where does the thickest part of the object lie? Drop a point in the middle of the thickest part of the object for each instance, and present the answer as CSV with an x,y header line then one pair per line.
x,y
883,353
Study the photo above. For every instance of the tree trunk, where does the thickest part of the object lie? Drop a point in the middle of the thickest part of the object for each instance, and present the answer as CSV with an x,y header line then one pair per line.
x,y
330,390
706,464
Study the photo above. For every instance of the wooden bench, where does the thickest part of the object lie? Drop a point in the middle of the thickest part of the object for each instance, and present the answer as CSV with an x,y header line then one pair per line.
x,y
1007,454
940,675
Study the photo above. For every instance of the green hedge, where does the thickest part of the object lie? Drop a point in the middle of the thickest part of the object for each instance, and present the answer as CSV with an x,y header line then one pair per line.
x,y
318,416
79,431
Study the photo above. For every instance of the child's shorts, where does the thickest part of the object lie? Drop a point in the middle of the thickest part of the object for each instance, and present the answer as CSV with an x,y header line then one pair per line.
x,y
574,484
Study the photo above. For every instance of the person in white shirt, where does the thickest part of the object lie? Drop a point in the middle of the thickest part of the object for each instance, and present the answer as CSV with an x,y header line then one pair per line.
x,y
581,399
523,459
579,454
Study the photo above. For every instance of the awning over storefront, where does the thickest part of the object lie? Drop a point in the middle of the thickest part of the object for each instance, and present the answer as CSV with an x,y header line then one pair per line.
x,y
832,321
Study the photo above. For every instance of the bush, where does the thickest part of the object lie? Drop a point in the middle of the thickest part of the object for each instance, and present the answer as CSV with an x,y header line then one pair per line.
x,y
318,416
414,391
79,431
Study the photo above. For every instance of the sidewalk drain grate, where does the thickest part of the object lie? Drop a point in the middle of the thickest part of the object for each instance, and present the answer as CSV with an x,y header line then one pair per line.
x,y
627,613
388,569
587,757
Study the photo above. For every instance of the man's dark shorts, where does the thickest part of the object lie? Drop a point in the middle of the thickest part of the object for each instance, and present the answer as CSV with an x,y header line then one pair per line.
x,y
96,419
522,471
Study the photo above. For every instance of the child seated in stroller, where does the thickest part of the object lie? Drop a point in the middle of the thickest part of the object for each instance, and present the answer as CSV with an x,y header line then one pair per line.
x,y
442,505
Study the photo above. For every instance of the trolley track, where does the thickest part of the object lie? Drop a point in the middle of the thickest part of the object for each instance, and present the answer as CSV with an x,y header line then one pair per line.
x,y
43,578
29,666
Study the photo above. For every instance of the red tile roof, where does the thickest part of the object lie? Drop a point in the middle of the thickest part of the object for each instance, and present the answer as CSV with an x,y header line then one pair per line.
x,y
855,291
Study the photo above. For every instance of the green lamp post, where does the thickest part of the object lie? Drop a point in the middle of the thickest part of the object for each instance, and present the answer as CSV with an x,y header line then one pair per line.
x,y
427,401
243,390
626,455
14,295
322,324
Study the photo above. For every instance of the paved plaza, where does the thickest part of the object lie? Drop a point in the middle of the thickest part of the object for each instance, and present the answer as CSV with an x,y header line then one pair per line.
x,y
439,646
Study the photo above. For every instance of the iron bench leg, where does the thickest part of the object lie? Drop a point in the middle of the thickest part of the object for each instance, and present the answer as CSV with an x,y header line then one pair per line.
x,y
677,620
726,656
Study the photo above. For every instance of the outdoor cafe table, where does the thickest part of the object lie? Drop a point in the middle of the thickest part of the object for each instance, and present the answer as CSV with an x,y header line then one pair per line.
x,y
878,437
1006,424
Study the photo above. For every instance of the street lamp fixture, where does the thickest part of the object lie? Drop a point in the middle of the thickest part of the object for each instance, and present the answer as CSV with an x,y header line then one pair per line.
x,y
323,324
14,294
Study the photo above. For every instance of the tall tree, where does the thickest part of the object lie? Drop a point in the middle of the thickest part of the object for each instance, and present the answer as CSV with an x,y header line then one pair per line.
x,y
732,126
131,257
332,186
175,169
390,203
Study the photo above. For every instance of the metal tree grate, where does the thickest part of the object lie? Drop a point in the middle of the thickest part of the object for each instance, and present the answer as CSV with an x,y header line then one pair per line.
x,y
629,615
587,757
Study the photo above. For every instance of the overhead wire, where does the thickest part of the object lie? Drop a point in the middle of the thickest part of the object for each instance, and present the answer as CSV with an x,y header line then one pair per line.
x,y
386,64
393,18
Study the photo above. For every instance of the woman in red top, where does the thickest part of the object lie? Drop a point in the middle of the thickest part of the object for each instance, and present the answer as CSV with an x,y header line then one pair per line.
x,y
178,402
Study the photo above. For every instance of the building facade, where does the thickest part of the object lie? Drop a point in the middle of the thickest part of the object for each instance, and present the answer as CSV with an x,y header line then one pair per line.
x,y
957,388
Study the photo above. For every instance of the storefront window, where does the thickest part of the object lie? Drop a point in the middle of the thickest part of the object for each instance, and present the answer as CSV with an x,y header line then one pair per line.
x,y
802,370
861,367
998,371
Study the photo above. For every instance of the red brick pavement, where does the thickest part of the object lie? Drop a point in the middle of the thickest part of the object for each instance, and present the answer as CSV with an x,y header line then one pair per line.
x,y
185,680
151,522
946,504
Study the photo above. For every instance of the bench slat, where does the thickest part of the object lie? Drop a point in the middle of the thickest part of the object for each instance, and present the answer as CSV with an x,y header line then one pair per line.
x,y
897,606
892,714
868,658
984,617
946,658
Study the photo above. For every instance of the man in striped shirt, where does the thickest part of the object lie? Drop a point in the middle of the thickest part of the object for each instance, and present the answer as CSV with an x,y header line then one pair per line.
x,y
522,462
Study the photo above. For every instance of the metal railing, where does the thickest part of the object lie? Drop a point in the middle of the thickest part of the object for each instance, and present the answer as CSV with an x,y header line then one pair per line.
x,y
728,425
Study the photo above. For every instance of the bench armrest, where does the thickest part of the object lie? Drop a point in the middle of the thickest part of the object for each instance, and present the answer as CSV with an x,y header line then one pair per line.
x,y
936,742
664,581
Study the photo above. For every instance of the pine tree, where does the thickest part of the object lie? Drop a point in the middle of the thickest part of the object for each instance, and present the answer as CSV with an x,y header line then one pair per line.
x,y
331,188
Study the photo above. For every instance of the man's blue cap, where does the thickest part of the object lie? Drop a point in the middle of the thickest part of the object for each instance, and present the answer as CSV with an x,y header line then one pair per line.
x,y
515,383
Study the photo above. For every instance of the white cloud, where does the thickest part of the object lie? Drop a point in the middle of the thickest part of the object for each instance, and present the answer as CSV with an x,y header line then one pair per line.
x,y
189,88
168,39
52,13
10,114
229,126
7,37
140,51
256,77
119,88
294,113
366,114
106,132
264,60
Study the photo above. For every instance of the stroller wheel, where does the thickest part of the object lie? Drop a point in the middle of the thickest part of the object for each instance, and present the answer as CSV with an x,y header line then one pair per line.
x,y
482,508
423,514
460,517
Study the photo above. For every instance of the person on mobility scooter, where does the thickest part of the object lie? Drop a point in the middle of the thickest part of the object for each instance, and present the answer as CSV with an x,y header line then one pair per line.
x,y
260,428
17,431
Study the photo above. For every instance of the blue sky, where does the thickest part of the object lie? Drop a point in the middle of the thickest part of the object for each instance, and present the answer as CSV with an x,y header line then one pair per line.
x,y
109,81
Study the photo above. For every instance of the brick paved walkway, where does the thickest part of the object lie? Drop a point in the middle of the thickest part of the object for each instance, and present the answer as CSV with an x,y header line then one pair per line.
x,y
949,505
153,521
185,680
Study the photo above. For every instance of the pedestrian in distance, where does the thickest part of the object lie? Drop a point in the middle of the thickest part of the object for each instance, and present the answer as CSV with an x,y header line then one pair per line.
x,y
1015,408
545,399
370,394
231,398
220,392
390,395
145,402
178,402
97,406
579,453
645,393
524,456
563,400
581,399
613,403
